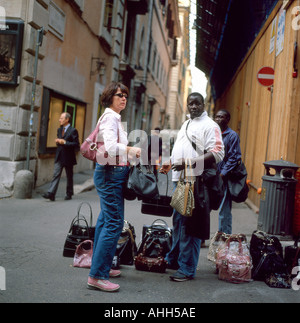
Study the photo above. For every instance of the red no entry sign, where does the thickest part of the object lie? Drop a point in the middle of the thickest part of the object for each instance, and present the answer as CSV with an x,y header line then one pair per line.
x,y
265,76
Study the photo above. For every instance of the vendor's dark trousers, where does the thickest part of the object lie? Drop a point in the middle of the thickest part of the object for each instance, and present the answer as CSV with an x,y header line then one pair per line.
x,y
58,168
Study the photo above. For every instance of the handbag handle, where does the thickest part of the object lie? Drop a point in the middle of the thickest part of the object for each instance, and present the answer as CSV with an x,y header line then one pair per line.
x,y
159,252
160,220
184,171
238,238
91,212
77,219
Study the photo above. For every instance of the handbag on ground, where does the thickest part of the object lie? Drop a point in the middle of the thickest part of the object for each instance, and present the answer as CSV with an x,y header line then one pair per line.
x,y
79,231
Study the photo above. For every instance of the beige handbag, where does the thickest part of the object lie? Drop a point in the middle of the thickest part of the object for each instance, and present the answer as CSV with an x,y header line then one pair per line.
x,y
183,197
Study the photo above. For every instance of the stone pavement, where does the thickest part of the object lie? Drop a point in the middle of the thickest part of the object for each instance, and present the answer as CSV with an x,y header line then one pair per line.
x,y
32,234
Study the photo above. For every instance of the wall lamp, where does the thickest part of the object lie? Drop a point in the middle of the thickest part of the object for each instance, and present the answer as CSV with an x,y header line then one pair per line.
x,y
100,66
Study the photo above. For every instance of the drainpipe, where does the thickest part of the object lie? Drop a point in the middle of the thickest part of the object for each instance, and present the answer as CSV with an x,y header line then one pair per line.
x,y
144,80
39,42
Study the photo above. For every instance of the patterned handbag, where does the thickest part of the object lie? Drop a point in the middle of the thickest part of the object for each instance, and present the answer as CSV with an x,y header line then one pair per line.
x,y
183,197
154,264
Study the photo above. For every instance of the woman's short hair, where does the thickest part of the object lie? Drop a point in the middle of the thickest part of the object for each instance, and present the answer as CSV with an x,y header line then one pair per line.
x,y
110,90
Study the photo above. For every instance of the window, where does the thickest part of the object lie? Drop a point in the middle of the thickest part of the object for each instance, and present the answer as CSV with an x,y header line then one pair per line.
x,y
54,104
108,15
141,50
11,37
158,69
154,60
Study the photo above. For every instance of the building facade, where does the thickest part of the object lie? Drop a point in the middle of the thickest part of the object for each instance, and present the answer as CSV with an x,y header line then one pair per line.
x,y
85,45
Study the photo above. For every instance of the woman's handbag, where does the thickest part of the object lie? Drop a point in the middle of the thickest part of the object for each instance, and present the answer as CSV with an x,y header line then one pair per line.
x,y
215,186
160,206
217,241
237,183
234,260
143,184
211,178
268,262
79,231
292,255
90,147
183,198
84,254
126,248
154,237
154,264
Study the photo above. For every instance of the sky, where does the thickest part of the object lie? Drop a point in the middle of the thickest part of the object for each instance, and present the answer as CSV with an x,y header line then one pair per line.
x,y
199,80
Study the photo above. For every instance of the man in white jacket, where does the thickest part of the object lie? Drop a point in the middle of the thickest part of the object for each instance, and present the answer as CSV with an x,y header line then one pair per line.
x,y
199,140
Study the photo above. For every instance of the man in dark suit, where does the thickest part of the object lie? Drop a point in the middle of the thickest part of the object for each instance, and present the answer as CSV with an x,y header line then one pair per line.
x,y
67,143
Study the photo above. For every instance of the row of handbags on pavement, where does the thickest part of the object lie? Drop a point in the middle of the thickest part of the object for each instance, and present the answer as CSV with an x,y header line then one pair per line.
x,y
156,242
263,260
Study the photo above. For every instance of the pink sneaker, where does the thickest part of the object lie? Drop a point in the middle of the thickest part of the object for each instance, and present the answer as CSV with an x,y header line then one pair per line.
x,y
104,285
113,273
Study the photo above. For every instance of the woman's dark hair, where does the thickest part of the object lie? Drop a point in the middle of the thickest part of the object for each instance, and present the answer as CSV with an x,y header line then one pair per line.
x,y
110,90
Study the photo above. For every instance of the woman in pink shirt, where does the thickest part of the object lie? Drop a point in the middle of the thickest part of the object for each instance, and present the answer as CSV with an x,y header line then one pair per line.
x,y
109,178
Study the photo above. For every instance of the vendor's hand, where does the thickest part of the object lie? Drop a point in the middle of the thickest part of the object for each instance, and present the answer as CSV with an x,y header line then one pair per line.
x,y
166,167
179,165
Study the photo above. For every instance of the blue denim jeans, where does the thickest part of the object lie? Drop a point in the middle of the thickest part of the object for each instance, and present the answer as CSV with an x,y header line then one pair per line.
x,y
225,216
109,182
185,248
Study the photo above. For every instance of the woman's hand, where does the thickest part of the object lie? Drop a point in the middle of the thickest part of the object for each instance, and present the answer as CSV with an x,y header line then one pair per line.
x,y
133,153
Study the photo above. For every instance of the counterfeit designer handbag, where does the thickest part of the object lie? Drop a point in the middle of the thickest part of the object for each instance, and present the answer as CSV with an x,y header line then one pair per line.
x,y
183,197
79,231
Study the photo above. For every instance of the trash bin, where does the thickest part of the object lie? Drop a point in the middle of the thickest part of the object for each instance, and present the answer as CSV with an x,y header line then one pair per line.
x,y
277,199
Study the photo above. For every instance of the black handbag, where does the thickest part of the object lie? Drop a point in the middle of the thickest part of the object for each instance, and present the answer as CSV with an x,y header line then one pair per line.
x,y
292,255
160,206
215,186
79,231
268,263
237,183
126,247
156,239
212,180
143,184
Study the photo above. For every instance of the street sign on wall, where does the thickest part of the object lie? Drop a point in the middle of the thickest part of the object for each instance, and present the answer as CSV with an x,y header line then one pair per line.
x,y
265,76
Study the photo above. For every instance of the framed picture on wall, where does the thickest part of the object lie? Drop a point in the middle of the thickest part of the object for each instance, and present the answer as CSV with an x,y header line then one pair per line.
x,y
11,40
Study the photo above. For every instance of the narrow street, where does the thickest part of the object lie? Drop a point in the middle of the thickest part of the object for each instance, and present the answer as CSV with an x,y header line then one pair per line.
x,y
32,235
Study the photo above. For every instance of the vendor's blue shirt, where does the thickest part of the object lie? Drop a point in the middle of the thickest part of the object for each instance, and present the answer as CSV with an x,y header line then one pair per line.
x,y
233,153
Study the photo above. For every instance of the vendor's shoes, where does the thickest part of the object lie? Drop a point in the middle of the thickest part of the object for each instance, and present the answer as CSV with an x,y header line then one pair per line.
x,y
104,285
178,277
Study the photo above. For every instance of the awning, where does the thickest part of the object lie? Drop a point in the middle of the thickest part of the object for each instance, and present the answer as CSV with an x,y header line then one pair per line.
x,y
210,24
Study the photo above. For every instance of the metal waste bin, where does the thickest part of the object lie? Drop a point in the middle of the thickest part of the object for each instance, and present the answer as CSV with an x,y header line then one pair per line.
x,y
277,199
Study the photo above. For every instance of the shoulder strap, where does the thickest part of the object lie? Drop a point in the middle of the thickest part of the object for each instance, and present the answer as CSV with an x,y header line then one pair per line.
x,y
190,140
98,123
